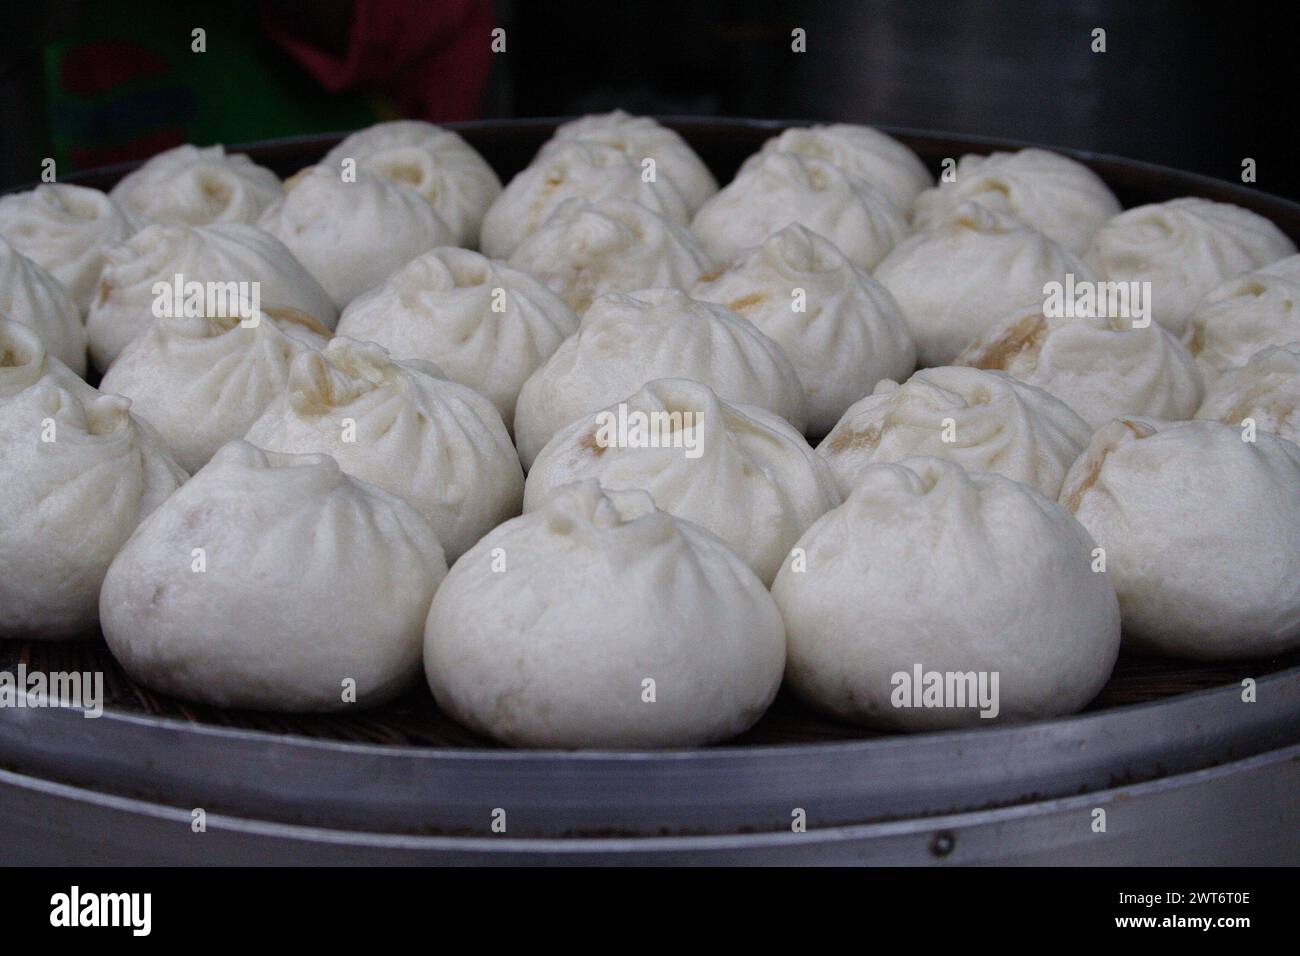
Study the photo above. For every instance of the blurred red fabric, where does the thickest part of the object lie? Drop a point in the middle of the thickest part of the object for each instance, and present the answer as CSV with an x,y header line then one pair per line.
x,y
430,58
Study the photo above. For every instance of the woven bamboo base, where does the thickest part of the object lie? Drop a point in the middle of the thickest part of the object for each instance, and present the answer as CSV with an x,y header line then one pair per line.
x,y
415,720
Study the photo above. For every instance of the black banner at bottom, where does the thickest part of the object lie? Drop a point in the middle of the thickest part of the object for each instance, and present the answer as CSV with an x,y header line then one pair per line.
x,y
220,905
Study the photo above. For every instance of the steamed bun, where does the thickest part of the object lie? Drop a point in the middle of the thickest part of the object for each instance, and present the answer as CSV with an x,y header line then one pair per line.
x,y
1242,316
1201,532
198,185
32,297
573,169
79,472
403,427
601,621
65,229
640,138
873,156
783,188
736,470
352,235
958,279
587,249
842,330
201,381
1184,248
984,421
274,582
1060,197
625,341
437,163
483,323
25,361
1287,268
122,308
1265,390
1101,367
927,568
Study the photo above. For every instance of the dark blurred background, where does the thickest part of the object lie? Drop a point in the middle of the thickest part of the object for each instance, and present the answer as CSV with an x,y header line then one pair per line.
x,y
1198,86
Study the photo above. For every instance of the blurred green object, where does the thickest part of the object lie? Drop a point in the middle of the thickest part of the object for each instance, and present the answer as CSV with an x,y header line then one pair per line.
x,y
137,76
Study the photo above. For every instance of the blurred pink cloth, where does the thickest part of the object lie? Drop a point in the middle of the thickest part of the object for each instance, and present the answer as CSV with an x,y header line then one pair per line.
x,y
430,58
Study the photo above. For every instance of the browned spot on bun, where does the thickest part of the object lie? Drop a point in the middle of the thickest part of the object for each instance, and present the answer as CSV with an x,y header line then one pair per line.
x,y
591,444
296,177
1197,341
405,173
218,191
710,276
553,181
298,317
851,440
1000,352
745,303
1075,498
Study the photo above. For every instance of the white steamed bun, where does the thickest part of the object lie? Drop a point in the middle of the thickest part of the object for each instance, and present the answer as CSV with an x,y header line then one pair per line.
x,y
1287,268
435,162
202,381
587,249
783,188
25,362
274,582
625,341
599,621
640,138
198,185
736,470
484,324
1184,248
65,229
402,426
1060,197
1265,390
32,297
573,169
79,472
352,235
1241,317
1101,367
840,328
984,421
867,153
957,280
122,308
927,567
1201,532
